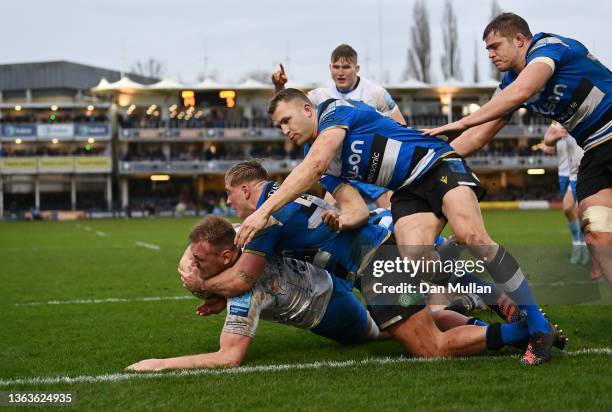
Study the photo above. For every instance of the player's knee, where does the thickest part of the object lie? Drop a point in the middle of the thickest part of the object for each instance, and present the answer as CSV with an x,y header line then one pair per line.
x,y
473,237
597,224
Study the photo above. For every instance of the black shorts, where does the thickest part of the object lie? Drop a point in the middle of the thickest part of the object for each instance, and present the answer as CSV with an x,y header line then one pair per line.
x,y
595,172
388,308
425,195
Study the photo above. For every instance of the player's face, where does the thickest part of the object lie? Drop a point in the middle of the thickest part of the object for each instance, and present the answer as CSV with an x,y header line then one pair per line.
x,y
344,73
504,52
208,259
296,121
237,199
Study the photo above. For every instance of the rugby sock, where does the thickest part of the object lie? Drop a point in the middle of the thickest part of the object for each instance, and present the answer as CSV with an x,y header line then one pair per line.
x,y
574,228
513,332
476,322
469,278
505,270
499,335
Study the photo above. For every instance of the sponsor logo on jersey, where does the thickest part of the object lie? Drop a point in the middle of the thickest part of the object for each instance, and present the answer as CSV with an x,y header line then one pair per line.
x,y
240,305
444,179
355,157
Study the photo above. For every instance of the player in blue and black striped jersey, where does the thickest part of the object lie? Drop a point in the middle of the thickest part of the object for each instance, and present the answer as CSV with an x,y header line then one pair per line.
x,y
432,185
558,78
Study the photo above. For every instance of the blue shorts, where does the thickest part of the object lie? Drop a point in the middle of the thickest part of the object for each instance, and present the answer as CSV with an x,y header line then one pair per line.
x,y
564,182
346,319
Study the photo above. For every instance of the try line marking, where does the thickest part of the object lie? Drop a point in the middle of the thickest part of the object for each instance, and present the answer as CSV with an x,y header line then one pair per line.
x,y
148,245
107,300
116,377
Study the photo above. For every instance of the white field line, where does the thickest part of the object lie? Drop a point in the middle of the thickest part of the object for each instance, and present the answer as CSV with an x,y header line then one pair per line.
x,y
87,228
116,377
100,233
148,245
107,300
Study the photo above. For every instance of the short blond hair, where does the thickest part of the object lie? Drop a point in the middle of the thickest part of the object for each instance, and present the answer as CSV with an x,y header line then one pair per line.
x,y
246,171
215,230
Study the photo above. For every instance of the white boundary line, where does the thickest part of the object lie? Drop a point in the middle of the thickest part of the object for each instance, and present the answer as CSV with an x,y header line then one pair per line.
x,y
116,377
107,300
100,233
148,245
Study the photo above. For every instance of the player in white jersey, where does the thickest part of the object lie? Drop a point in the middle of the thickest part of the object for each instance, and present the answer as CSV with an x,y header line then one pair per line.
x,y
289,291
569,155
348,85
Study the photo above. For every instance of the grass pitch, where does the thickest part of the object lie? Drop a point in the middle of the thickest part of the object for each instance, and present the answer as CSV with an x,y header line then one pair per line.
x,y
85,299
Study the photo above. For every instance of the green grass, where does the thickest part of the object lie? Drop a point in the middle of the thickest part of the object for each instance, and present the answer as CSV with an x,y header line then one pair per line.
x,y
43,261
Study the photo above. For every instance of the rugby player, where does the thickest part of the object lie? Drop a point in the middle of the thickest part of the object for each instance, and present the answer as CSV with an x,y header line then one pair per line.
x,y
289,291
348,85
560,79
432,184
248,190
569,154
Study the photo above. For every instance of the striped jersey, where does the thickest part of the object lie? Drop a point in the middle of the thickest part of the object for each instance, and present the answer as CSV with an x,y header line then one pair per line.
x,y
579,93
297,230
376,149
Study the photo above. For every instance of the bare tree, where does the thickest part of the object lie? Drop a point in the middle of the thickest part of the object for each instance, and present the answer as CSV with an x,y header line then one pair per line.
x,y
419,54
150,68
452,56
476,76
496,10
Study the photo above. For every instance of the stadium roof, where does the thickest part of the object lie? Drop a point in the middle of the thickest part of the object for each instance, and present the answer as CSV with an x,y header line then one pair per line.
x,y
59,74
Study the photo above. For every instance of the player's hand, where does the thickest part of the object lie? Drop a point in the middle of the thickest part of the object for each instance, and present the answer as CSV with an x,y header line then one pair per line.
x,y
192,281
147,365
279,78
331,218
250,227
450,130
550,150
212,306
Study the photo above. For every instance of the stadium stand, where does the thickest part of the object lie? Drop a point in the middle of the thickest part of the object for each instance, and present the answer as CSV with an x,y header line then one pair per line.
x,y
81,137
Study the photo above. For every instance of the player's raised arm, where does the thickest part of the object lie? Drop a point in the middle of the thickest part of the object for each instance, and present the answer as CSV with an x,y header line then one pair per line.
x,y
231,353
531,79
279,79
299,180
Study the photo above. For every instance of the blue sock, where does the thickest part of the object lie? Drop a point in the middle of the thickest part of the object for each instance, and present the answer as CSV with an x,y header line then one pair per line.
x,y
574,228
513,332
507,273
476,322
470,278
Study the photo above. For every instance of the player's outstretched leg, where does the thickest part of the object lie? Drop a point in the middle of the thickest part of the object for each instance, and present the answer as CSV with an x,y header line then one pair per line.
x,y
461,208
420,336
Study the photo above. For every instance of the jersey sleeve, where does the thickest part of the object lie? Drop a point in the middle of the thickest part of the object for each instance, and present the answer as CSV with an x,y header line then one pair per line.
x,y
549,50
316,96
335,114
265,241
331,183
243,312
384,102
